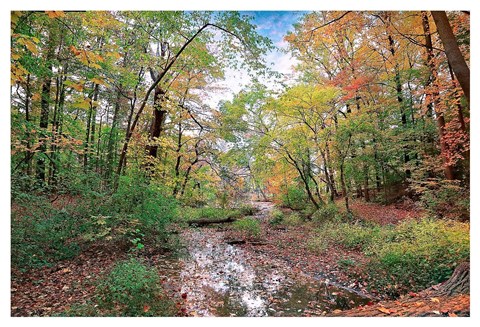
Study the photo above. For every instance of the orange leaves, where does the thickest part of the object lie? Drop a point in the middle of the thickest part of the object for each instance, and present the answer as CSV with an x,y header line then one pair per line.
x,y
384,310
55,14
98,80
87,57
78,86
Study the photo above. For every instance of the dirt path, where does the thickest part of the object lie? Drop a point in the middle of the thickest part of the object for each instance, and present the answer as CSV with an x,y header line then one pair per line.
x,y
219,279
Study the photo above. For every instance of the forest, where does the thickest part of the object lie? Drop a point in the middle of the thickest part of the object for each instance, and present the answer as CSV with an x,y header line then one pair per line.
x,y
142,185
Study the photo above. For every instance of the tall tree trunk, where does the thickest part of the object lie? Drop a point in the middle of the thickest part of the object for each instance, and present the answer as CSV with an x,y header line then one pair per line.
x,y
90,123
448,169
344,187
52,172
454,55
304,180
44,115
29,153
159,116
333,188
112,137
179,157
399,91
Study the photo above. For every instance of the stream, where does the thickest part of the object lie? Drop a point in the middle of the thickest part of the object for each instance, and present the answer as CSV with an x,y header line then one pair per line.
x,y
219,279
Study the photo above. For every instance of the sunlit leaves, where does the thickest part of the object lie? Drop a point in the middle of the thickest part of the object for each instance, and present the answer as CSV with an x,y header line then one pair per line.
x,y
55,14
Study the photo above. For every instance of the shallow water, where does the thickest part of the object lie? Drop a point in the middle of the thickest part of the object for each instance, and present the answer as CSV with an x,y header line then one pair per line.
x,y
225,280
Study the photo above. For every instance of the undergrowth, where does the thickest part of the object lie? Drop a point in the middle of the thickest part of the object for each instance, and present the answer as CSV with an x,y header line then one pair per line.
x,y
411,256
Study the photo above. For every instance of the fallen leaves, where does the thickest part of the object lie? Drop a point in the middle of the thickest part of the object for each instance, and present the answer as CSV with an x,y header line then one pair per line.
x,y
384,310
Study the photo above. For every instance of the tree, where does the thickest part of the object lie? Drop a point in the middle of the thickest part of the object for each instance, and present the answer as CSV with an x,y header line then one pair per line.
x,y
455,56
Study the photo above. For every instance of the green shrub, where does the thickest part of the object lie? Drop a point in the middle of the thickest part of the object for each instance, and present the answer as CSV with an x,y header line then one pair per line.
x,y
294,198
142,204
87,309
248,226
317,245
329,212
358,236
293,219
276,217
133,289
247,209
346,263
189,213
408,257
445,199
42,235
420,254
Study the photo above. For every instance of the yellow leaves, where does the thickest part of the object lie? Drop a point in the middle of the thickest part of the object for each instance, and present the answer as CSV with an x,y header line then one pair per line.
x,y
87,57
31,47
98,80
74,85
114,55
30,42
435,300
55,14
83,104
17,73
14,17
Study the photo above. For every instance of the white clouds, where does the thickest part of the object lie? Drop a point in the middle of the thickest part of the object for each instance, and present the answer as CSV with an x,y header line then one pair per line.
x,y
274,25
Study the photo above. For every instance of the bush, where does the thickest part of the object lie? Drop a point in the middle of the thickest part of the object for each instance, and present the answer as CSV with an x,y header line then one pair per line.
x,y
139,203
133,289
247,210
445,199
294,198
317,245
358,236
248,226
293,219
329,212
419,255
42,235
189,213
276,217
408,257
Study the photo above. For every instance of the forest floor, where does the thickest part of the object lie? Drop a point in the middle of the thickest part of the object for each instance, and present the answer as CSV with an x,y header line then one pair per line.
x,y
275,275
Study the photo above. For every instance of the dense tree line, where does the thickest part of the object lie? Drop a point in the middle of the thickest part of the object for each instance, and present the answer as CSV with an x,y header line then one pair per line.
x,y
378,111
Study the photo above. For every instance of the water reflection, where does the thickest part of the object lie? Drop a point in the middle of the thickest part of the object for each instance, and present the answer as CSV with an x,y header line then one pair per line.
x,y
224,280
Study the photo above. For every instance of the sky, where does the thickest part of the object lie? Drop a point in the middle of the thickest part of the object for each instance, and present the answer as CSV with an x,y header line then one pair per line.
x,y
274,25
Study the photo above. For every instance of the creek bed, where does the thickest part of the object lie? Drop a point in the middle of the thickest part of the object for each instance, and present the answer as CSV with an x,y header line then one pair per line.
x,y
219,279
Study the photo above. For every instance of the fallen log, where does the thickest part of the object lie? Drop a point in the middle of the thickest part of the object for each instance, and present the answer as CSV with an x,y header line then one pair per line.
x,y
204,222
233,242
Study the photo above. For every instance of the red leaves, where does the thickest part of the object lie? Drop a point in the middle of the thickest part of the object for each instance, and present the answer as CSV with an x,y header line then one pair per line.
x,y
184,296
